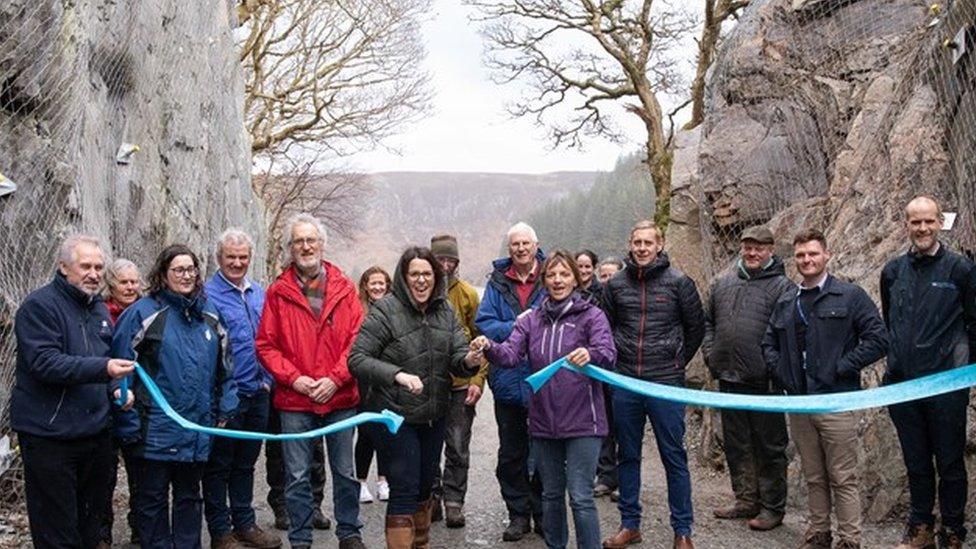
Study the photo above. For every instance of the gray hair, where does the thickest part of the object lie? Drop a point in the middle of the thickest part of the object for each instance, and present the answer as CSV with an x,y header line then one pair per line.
x,y
66,252
115,269
522,228
611,260
299,219
236,237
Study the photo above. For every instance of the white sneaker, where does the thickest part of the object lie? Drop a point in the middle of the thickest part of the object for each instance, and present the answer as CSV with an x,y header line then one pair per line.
x,y
364,495
383,490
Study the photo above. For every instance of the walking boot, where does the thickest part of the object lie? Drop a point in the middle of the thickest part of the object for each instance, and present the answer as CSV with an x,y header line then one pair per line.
x,y
949,539
281,522
421,525
765,520
622,539
683,542
226,541
454,515
817,540
320,521
258,538
738,510
518,526
399,532
918,536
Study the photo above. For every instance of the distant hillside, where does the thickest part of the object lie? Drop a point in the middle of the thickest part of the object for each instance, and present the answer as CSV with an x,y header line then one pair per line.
x,y
408,207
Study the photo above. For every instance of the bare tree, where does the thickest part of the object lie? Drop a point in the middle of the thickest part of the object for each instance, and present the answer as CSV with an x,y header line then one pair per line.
x,y
716,13
336,75
288,186
587,56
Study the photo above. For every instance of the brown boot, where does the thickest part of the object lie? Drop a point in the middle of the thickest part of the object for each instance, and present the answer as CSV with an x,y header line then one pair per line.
x,y
738,510
622,539
258,538
950,539
226,541
399,532
683,542
918,536
765,520
817,540
421,525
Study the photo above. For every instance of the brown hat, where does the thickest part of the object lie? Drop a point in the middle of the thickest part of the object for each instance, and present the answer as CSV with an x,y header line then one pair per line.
x,y
759,234
444,245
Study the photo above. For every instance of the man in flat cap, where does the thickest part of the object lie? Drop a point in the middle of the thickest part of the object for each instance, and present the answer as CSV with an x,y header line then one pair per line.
x,y
739,305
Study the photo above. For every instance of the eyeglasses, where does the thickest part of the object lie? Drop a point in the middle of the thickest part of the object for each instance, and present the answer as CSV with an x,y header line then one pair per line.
x,y
302,242
184,271
418,276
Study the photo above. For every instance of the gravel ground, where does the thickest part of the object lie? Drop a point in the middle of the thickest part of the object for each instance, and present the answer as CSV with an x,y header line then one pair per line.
x,y
486,515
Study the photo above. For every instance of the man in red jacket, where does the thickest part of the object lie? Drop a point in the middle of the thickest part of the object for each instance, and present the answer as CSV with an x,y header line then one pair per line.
x,y
311,317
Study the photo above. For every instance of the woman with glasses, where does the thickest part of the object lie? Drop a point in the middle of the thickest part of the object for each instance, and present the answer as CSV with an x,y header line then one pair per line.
x,y
567,417
177,337
406,351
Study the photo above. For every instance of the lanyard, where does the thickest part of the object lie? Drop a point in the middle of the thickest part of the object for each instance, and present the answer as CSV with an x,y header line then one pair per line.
x,y
799,310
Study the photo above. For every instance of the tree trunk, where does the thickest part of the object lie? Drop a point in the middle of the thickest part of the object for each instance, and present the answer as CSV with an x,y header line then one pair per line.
x,y
711,29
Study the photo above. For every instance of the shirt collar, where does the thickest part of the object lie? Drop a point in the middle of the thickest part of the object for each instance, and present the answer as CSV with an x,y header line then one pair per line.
x,y
247,282
819,286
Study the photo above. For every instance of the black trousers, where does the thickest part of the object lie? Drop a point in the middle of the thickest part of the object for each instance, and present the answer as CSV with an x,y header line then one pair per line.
x,y
68,488
128,460
364,456
755,448
606,467
274,463
934,430
522,493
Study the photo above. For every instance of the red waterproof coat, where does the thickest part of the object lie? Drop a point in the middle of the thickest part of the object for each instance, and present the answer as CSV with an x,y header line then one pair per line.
x,y
292,342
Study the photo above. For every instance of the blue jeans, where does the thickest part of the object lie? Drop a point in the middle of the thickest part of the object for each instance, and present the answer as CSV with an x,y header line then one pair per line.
x,y
412,457
152,504
630,412
569,464
230,471
298,487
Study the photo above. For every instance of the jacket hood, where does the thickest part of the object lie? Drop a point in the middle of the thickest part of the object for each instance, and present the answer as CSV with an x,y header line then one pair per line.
x,y
773,268
402,292
660,263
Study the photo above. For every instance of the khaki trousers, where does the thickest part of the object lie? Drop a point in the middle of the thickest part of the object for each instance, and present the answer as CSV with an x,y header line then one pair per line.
x,y
827,444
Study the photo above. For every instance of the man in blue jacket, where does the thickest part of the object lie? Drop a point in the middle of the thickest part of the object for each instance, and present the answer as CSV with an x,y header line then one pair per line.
x,y
61,398
818,340
514,287
928,297
230,471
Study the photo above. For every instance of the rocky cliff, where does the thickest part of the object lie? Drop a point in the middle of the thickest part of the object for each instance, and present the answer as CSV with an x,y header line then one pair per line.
x,y
124,119
832,114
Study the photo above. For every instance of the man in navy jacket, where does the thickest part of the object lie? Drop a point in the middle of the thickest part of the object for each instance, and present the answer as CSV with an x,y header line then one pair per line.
x,y
514,287
61,399
230,470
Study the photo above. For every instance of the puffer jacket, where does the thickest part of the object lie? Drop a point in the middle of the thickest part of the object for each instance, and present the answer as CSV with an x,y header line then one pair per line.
x,y
183,346
397,337
657,320
292,341
496,319
570,404
739,305
62,385
929,306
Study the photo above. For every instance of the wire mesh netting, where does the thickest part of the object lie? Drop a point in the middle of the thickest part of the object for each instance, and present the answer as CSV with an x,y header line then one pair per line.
x,y
122,119
821,101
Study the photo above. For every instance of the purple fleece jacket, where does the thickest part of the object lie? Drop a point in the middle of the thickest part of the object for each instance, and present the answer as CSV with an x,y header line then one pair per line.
x,y
570,405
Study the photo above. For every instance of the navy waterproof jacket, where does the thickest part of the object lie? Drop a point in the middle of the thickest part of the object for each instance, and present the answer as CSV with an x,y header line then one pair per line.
x,y
241,312
62,384
844,335
182,344
499,308
929,305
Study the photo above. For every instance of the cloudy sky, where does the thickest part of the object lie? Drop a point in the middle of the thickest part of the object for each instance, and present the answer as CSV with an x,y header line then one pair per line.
x,y
469,129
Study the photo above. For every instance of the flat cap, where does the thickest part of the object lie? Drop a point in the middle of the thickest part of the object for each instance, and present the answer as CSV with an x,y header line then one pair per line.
x,y
759,234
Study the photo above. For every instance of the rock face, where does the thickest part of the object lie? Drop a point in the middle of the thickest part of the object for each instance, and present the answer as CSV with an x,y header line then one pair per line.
x,y
79,80
832,114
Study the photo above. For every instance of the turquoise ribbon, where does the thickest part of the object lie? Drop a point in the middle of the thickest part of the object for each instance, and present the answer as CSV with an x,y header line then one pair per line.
x,y
386,417
923,387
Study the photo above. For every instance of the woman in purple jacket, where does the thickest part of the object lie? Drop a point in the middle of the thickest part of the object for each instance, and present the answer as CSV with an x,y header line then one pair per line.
x,y
567,418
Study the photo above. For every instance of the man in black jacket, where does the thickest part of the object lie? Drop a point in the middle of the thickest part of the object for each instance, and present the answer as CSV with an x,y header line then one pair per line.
x,y
60,401
928,296
739,305
818,340
658,325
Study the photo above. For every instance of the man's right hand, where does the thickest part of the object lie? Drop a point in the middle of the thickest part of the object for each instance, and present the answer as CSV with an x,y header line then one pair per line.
x,y
411,382
118,368
304,385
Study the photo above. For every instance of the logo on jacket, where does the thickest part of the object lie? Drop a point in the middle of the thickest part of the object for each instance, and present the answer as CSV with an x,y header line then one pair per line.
x,y
207,334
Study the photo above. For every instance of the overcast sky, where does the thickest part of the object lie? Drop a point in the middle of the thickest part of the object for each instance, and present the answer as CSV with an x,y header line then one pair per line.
x,y
468,129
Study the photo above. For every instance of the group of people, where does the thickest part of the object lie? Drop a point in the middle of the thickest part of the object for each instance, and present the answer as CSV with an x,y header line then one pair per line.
x,y
313,349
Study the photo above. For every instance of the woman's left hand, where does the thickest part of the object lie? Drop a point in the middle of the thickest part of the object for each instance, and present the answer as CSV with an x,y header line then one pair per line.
x,y
579,357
